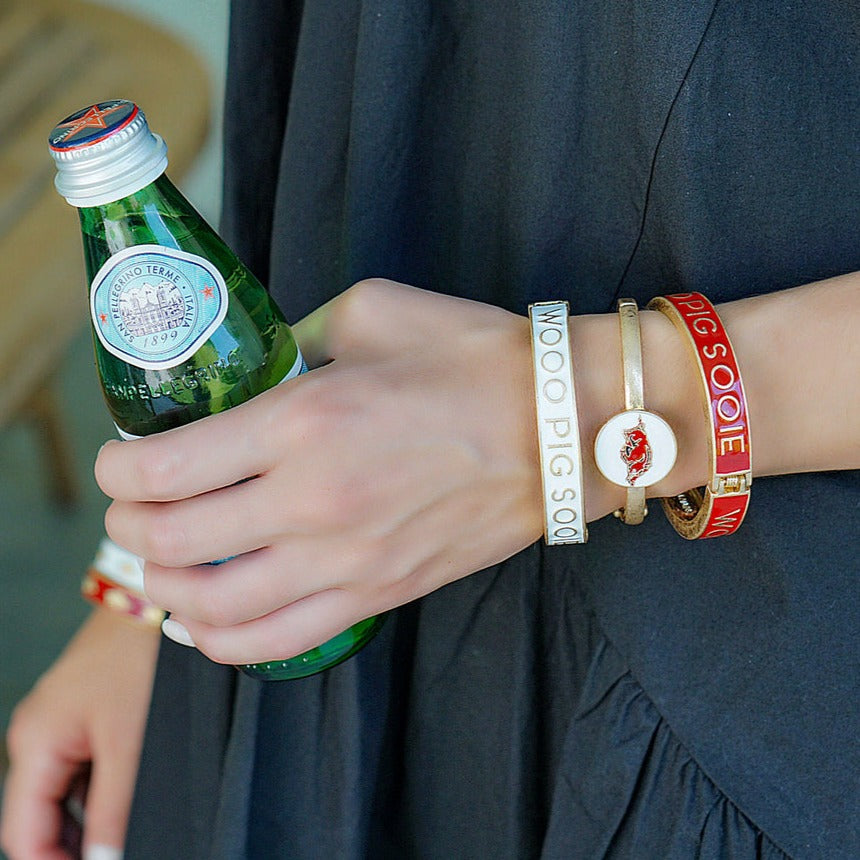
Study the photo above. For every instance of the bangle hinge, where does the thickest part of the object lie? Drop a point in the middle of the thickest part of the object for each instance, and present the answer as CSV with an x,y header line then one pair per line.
x,y
730,485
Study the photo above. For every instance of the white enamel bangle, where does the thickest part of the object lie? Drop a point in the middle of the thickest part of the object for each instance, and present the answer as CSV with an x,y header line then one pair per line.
x,y
635,448
119,565
558,427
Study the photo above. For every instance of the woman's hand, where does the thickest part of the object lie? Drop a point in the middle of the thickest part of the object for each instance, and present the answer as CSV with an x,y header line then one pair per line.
x,y
404,462
86,716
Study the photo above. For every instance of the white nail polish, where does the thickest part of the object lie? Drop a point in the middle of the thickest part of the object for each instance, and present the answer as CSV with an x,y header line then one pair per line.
x,y
175,631
102,852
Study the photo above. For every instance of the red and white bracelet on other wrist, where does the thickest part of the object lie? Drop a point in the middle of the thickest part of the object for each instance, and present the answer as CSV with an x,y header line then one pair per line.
x,y
720,507
115,581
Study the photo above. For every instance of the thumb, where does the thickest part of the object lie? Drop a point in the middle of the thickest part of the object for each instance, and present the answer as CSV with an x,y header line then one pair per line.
x,y
354,319
312,333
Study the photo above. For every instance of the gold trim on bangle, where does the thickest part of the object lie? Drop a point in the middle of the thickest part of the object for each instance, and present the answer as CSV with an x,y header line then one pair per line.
x,y
635,510
718,508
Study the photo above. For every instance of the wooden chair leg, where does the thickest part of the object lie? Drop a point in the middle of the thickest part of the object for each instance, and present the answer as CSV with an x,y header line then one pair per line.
x,y
45,412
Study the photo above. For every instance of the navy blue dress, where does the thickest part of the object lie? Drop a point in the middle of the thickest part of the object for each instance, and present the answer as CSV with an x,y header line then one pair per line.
x,y
639,697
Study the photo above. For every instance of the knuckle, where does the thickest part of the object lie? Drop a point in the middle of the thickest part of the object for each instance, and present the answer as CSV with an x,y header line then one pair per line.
x,y
358,308
158,472
23,731
357,565
115,521
350,503
106,468
323,410
333,507
100,476
111,524
367,561
364,295
165,540
369,290
218,609
156,589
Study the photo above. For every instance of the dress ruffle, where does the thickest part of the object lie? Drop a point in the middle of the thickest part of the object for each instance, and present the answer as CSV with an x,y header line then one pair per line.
x,y
628,788
538,742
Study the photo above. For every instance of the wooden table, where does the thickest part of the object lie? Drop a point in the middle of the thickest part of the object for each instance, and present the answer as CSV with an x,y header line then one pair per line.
x,y
57,56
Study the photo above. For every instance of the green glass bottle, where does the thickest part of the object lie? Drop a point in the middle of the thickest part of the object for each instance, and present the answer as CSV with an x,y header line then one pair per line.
x,y
181,328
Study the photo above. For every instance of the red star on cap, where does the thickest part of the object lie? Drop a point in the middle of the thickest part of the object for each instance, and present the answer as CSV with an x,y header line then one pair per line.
x,y
208,292
93,118
103,317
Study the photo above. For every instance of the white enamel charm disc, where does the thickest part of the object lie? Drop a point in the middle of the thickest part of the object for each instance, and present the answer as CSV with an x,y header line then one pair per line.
x,y
636,448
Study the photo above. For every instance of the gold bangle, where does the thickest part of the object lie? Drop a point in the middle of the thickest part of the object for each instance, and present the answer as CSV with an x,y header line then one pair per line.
x,y
635,448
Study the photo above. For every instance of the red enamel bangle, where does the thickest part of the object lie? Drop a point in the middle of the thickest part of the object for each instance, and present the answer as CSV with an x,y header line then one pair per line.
x,y
720,507
102,591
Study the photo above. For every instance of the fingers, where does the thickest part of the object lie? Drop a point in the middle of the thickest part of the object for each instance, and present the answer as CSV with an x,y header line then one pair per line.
x,y
250,586
282,634
86,714
108,804
216,452
36,785
196,530
239,590
211,453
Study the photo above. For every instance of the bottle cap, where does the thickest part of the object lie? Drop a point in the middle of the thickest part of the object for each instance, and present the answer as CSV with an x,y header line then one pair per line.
x,y
105,152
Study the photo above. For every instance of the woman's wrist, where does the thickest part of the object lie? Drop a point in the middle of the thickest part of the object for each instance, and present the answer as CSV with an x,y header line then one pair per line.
x,y
106,621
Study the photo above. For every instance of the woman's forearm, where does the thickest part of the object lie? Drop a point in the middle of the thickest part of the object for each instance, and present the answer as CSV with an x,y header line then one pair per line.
x,y
802,356
799,357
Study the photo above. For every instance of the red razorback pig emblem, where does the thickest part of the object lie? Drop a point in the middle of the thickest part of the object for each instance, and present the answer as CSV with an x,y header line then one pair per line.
x,y
636,452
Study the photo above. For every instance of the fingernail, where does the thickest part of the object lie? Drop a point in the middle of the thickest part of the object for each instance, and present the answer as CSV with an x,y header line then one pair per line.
x,y
177,632
102,852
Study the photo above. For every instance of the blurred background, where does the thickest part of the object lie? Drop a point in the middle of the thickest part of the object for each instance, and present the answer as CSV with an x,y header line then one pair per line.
x,y
53,51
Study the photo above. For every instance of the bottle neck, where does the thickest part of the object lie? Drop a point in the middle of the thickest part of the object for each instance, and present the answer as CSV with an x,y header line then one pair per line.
x,y
157,214
161,192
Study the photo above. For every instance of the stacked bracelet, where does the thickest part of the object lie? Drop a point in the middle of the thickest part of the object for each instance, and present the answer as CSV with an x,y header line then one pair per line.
x,y
558,426
635,448
115,580
718,508
102,591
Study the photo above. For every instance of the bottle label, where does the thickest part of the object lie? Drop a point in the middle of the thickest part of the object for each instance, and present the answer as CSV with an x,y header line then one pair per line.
x,y
154,307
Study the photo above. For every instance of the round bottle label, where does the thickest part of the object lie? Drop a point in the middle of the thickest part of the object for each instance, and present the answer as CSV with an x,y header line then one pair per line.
x,y
153,307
